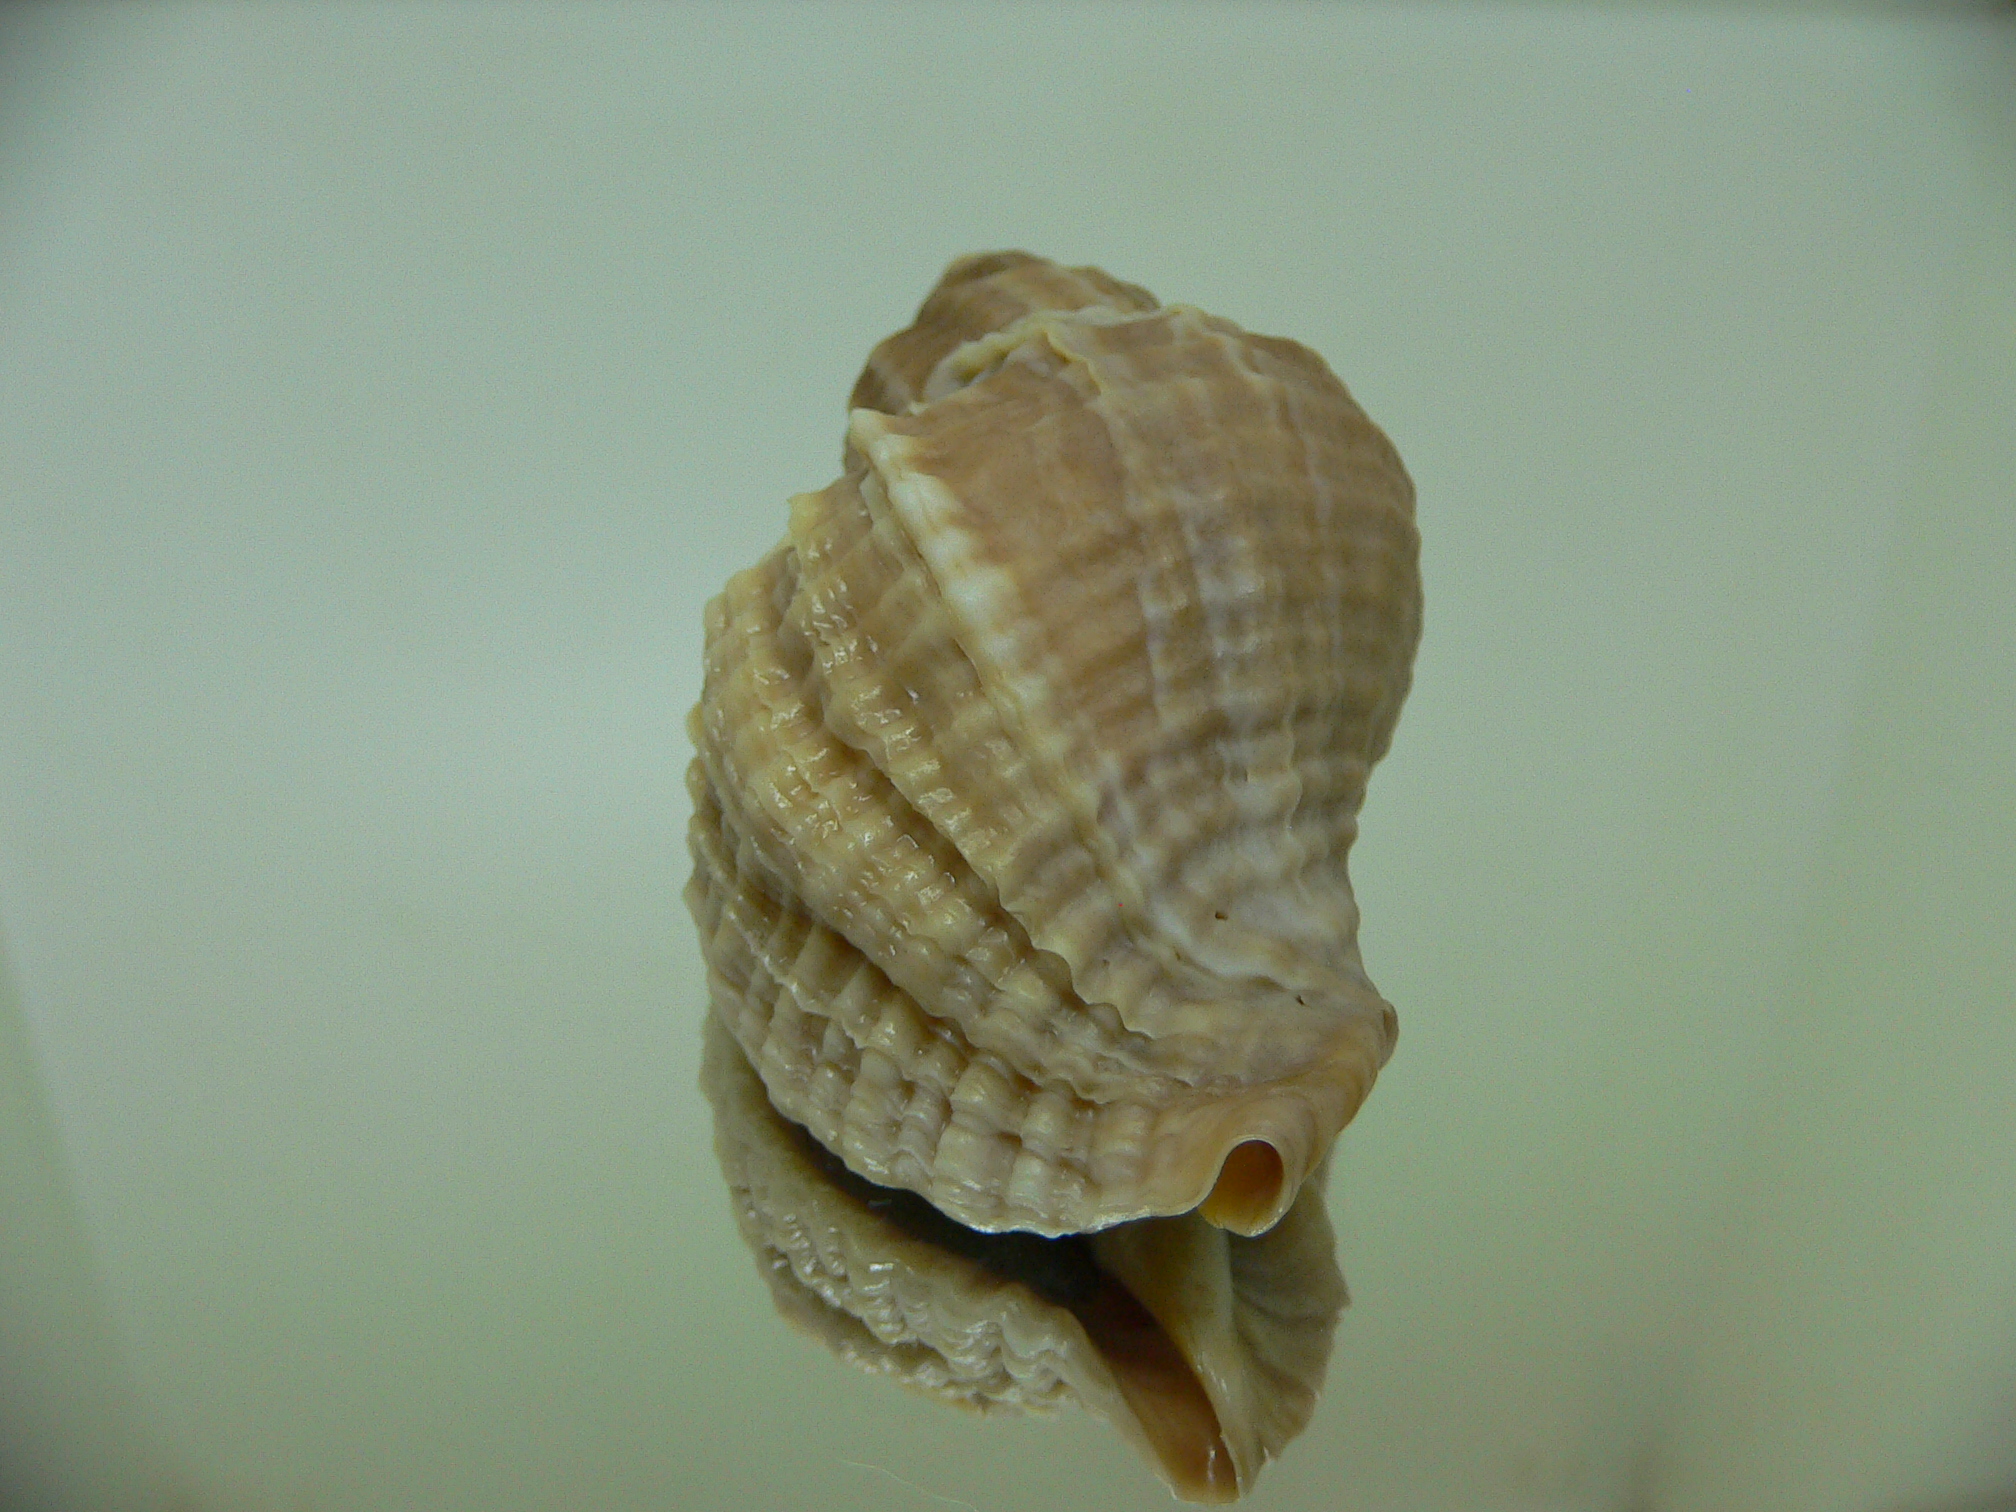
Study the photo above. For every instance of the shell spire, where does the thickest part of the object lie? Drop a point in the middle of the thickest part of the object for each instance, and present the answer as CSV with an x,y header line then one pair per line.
x,y
1029,761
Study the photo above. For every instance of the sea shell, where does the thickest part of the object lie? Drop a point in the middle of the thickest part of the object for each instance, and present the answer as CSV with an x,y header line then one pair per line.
x,y
1205,1349
1029,759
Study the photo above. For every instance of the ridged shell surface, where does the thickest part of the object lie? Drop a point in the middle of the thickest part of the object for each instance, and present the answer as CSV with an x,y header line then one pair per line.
x,y
1203,1348
1029,760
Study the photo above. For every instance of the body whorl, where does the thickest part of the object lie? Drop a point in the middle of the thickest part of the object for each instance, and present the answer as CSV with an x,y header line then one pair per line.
x,y
1029,762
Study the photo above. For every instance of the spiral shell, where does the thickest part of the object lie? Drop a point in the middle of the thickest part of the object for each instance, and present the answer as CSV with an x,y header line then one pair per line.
x,y
1203,1348
1028,761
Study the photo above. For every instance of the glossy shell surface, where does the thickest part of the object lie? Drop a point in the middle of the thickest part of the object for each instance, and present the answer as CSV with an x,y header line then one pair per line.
x,y
1028,762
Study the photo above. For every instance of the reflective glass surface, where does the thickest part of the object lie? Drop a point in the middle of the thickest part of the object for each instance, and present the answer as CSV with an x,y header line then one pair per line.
x,y
385,390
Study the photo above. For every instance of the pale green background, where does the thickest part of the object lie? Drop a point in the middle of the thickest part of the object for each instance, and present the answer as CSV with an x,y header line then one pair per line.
x,y
384,389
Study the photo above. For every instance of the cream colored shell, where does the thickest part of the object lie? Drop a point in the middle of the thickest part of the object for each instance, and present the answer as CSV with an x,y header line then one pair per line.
x,y
1204,1349
1029,760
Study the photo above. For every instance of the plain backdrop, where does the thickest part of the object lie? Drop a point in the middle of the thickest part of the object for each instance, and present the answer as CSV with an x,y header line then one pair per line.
x,y
384,390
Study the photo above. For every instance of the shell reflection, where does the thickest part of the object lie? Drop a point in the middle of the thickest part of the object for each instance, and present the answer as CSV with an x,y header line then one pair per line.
x,y
1205,1349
